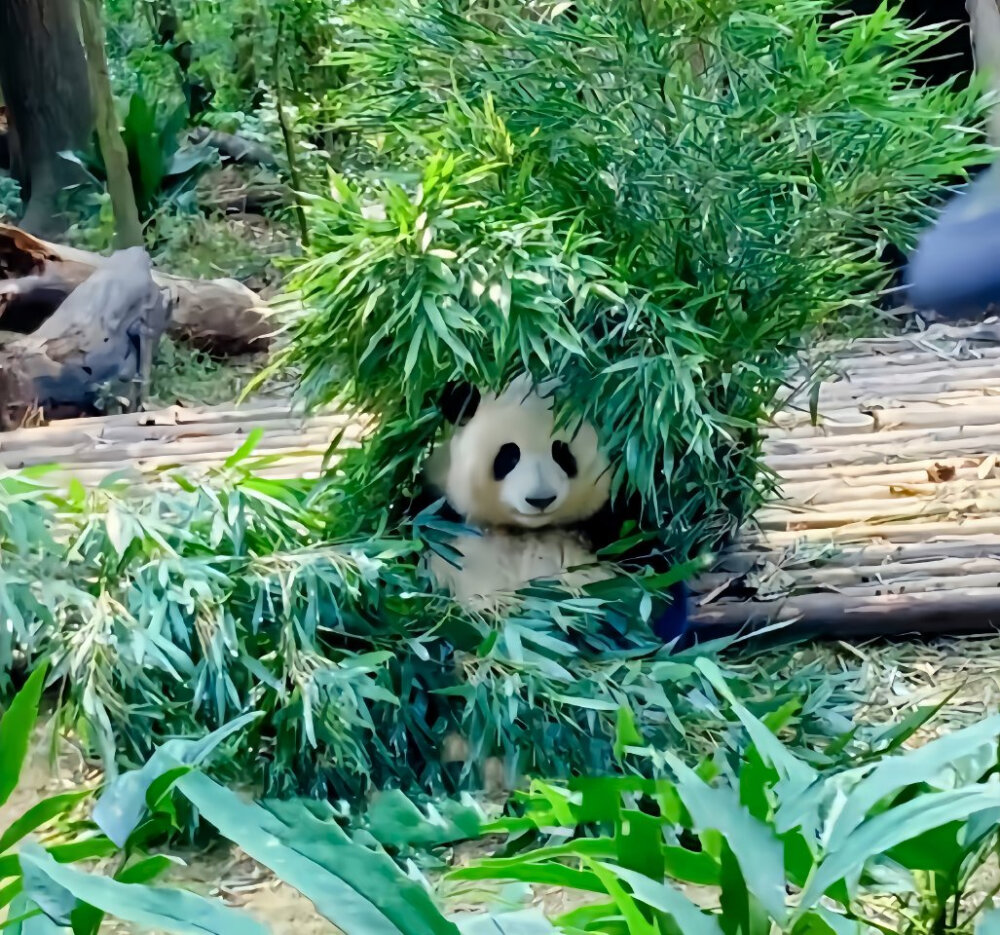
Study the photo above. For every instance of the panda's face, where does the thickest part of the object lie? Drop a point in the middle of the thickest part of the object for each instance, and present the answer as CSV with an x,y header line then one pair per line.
x,y
507,465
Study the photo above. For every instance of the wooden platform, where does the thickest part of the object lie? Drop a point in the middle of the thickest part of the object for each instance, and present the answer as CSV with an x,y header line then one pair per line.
x,y
890,521
142,447
890,517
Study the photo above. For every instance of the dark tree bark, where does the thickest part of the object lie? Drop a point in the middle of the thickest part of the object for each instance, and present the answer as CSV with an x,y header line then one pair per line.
x,y
43,77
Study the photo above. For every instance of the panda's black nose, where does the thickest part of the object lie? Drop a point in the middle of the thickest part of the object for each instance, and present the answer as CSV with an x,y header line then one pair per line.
x,y
540,503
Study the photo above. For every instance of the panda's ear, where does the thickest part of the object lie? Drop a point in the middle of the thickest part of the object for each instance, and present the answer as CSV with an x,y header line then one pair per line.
x,y
459,402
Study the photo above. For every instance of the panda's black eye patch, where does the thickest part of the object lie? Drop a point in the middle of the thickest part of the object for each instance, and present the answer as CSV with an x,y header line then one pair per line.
x,y
506,460
564,458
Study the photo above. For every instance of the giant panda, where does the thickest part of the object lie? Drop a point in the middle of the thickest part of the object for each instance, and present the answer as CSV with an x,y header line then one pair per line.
x,y
538,498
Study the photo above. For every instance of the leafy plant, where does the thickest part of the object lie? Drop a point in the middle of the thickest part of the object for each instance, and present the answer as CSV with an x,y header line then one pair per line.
x,y
655,202
769,842
37,877
49,816
164,172
43,893
851,837
197,603
10,197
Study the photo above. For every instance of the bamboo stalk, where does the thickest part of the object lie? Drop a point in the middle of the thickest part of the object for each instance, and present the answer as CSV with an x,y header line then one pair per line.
x,y
841,394
913,511
838,577
859,617
894,472
72,441
890,532
740,561
892,487
895,439
852,362
878,451
181,450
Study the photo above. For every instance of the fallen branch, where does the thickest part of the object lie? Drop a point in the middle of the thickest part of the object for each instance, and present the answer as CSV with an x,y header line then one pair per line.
x,y
103,334
221,316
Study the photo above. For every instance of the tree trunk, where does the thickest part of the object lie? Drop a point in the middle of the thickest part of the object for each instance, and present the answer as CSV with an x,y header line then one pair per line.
x,y
128,229
43,75
984,22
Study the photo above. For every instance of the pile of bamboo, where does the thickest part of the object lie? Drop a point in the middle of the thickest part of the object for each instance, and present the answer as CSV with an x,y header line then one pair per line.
x,y
889,517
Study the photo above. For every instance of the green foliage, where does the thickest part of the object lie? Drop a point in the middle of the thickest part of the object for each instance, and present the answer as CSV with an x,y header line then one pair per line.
x,y
768,842
847,838
170,614
164,172
38,885
217,57
10,197
656,202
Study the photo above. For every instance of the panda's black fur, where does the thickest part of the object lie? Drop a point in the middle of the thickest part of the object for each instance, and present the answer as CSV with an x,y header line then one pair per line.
x,y
458,404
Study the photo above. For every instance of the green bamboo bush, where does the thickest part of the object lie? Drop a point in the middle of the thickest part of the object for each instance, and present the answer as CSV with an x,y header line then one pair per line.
x,y
659,202
171,615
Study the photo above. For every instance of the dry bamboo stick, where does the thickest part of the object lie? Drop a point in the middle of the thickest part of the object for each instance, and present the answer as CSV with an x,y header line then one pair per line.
x,y
890,532
849,361
166,434
845,576
818,494
877,451
142,481
912,510
840,395
965,466
740,561
154,463
985,412
825,427
954,429
177,450
938,371
168,416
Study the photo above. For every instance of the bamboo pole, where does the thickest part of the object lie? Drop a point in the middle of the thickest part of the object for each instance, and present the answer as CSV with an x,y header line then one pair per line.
x,y
864,617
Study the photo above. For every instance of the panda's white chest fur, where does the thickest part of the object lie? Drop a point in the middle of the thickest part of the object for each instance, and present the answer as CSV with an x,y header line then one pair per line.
x,y
498,563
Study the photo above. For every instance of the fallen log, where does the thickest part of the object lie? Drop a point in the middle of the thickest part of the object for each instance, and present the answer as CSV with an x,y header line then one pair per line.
x,y
220,316
103,335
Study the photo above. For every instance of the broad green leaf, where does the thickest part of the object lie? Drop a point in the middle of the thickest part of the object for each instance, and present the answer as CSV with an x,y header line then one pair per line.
x,y
358,890
56,888
665,898
25,918
916,766
39,814
756,849
823,921
524,922
394,820
883,832
123,802
16,726
626,734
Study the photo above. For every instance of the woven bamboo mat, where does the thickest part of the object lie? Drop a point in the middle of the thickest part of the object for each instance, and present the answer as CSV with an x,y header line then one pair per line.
x,y
889,521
